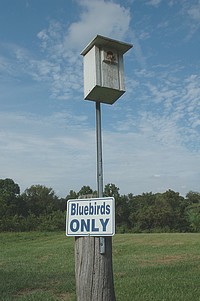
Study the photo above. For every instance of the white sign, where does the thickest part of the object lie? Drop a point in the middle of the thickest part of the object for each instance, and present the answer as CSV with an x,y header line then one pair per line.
x,y
90,217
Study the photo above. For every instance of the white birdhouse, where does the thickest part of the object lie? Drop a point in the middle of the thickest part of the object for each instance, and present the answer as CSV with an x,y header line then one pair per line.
x,y
104,69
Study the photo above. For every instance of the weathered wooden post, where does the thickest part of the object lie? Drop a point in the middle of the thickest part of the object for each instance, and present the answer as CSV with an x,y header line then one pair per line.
x,y
103,83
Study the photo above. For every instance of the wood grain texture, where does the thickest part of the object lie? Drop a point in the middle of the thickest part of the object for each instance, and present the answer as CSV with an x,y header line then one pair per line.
x,y
94,273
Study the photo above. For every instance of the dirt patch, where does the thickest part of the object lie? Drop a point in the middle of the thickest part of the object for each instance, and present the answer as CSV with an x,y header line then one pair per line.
x,y
45,258
27,291
121,275
65,297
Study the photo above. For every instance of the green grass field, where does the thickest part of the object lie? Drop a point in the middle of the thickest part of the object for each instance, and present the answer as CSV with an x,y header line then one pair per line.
x,y
158,267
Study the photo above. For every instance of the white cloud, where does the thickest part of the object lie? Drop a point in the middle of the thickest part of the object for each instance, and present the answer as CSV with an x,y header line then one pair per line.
x,y
194,12
151,142
55,151
62,65
59,151
5,65
164,105
98,17
154,2
133,160
59,73
191,14
138,50
59,64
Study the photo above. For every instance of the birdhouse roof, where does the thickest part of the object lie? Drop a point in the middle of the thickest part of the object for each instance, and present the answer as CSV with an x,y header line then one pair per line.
x,y
104,42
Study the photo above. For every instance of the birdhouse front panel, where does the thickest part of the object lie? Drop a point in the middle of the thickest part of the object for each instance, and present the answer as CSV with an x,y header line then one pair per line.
x,y
110,69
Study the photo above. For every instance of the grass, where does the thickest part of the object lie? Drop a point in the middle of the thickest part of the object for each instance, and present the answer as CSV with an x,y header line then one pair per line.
x,y
36,266
158,267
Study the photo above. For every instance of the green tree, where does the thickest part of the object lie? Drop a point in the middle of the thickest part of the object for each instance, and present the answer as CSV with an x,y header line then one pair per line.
x,y
193,197
122,213
111,190
140,216
193,215
193,210
158,212
9,197
121,206
178,204
40,200
85,190
72,195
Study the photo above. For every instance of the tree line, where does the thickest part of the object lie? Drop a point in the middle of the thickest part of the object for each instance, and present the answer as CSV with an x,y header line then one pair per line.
x,y
39,209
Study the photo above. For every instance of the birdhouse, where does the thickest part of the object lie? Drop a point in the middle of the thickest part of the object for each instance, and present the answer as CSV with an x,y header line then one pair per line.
x,y
104,69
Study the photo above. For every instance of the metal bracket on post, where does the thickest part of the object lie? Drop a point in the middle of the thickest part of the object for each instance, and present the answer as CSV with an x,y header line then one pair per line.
x,y
102,243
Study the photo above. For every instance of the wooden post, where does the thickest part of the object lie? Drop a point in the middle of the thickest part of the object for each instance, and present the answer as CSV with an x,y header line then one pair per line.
x,y
94,273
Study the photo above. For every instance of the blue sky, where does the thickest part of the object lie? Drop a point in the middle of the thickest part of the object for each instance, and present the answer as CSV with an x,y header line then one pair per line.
x,y
150,135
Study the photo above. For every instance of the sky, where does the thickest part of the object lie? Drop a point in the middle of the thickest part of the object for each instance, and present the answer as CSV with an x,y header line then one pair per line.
x,y
151,140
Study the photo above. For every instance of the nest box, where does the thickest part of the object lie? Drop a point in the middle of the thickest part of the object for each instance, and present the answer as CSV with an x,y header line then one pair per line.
x,y
104,69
